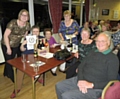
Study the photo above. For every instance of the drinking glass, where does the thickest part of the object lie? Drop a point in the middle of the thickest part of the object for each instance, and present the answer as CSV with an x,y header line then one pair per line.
x,y
23,57
36,68
24,65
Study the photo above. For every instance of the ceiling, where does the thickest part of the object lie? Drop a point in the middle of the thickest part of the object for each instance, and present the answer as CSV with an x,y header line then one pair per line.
x,y
45,1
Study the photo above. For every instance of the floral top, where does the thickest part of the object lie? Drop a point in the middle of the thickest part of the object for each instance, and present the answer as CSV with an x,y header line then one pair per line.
x,y
84,49
16,33
116,37
69,30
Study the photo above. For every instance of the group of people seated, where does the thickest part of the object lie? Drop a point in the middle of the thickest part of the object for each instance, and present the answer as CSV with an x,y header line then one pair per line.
x,y
98,68
87,76
91,68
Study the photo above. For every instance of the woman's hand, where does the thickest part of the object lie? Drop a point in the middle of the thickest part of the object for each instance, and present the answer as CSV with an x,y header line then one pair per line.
x,y
76,55
22,48
7,42
53,46
9,51
24,42
62,38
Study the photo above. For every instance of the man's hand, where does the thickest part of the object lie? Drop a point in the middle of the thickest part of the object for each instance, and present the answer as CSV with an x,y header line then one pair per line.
x,y
84,85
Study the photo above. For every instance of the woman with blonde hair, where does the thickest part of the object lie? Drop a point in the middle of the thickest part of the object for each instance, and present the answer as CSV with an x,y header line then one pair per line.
x,y
84,47
16,29
68,26
100,25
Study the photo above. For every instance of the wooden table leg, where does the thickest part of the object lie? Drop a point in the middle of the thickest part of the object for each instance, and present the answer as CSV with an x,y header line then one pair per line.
x,y
33,88
44,79
15,81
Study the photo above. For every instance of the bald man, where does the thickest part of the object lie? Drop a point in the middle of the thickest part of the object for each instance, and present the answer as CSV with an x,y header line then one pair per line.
x,y
95,71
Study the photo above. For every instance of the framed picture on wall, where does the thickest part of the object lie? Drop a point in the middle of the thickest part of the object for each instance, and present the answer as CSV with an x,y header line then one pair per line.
x,y
105,12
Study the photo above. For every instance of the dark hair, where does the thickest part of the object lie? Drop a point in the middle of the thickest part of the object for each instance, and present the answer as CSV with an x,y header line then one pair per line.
x,y
35,26
118,22
47,29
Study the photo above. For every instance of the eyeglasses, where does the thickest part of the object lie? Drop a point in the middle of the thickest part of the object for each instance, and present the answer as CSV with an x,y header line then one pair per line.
x,y
24,15
66,15
97,41
35,31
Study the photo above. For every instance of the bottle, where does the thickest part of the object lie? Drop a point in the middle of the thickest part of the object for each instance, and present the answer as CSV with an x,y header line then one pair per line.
x,y
42,45
35,54
46,43
39,45
35,51
70,45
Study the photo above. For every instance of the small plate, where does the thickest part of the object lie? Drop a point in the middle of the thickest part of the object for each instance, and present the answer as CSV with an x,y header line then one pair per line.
x,y
32,65
38,62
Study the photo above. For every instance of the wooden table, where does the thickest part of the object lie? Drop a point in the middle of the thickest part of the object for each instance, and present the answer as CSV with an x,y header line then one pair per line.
x,y
27,69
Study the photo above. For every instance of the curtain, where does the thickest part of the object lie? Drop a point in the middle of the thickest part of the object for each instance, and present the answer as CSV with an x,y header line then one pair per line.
x,y
55,9
87,10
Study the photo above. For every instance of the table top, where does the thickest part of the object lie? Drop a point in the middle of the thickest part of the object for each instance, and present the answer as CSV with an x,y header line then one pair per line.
x,y
26,68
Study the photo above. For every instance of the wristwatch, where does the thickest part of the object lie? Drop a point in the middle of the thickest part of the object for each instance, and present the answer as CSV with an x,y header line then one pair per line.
x,y
92,85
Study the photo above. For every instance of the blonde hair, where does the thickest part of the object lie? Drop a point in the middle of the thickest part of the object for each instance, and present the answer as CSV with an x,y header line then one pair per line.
x,y
106,25
21,11
95,22
66,12
102,22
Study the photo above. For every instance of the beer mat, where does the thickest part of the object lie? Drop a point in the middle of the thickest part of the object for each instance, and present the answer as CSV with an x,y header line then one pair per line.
x,y
56,44
38,63
46,55
74,51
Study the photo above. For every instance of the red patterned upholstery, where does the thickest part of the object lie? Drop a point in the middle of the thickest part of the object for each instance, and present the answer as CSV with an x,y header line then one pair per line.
x,y
113,92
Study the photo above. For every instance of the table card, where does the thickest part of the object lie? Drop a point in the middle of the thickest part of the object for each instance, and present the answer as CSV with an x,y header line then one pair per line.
x,y
31,40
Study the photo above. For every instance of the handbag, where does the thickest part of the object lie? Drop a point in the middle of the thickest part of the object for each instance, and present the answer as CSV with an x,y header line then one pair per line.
x,y
62,54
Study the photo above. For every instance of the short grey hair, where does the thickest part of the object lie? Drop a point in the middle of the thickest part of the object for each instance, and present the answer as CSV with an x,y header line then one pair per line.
x,y
86,29
107,35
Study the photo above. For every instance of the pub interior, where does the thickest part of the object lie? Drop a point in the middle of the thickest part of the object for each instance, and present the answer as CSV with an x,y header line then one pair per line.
x,y
49,19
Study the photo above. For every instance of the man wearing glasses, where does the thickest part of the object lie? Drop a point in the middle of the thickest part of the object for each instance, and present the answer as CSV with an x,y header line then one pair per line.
x,y
95,71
